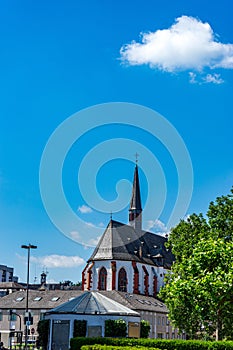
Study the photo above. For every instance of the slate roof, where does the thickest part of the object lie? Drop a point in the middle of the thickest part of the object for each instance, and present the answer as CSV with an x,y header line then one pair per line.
x,y
123,242
46,299
94,303
136,301
135,202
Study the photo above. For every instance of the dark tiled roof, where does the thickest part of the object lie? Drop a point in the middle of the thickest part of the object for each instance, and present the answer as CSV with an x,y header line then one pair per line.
x,y
46,299
135,202
122,242
136,301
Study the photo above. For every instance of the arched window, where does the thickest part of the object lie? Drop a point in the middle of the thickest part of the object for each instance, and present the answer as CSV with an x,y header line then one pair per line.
x,y
102,279
122,280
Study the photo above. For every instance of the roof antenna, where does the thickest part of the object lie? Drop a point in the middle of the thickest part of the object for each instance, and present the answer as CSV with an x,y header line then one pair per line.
x,y
35,277
136,157
111,215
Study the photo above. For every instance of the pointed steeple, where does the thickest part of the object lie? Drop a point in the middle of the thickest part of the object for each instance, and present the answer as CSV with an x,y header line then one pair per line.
x,y
135,210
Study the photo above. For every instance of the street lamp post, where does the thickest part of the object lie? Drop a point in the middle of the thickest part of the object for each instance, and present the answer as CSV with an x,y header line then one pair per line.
x,y
28,247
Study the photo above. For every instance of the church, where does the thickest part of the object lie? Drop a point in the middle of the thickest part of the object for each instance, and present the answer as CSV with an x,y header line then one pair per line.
x,y
127,258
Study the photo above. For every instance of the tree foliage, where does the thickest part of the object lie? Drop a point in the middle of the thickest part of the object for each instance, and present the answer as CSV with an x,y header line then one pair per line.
x,y
199,290
144,329
80,328
115,328
43,331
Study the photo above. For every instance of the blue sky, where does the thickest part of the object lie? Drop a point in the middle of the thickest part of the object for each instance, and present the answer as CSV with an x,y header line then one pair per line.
x,y
59,58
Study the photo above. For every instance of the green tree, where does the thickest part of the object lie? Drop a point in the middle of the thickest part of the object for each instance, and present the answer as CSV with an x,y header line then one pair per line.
x,y
144,329
43,331
115,328
199,290
80,328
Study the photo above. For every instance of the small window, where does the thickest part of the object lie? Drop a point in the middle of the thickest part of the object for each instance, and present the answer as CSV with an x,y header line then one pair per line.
x,y
140,301
55,299
0,315
19,298
160,335
154,303
42,316
37,298
159,320
13,317
162,321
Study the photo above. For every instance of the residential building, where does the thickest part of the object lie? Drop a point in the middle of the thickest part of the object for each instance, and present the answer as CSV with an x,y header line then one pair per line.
x,y
7,274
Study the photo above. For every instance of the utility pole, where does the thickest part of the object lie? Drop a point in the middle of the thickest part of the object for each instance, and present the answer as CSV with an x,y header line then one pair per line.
x,y
27,318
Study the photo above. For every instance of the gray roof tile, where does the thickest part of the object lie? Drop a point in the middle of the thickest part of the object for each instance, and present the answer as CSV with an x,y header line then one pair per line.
x,y
122,242
17,300
67,300
94,303
136,301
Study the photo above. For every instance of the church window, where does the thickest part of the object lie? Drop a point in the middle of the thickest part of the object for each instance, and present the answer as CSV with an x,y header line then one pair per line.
x,y
122,280
103,279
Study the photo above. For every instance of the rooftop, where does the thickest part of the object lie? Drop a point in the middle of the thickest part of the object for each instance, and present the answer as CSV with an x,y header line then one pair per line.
x,y
122,242
37,299
94,303
70,299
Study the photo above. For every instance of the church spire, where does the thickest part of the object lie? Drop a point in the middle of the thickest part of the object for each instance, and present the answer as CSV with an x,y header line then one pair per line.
x,y
135,210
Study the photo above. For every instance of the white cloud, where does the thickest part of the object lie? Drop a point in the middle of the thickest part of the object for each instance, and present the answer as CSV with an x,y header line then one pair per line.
x,y
51,280
157,226
75,235
213,78
90,224
58,261
209,78
192,78
94,241
84,209
187,44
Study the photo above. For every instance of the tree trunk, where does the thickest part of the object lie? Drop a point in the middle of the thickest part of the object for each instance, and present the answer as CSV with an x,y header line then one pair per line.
x,y
218,325
217,332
